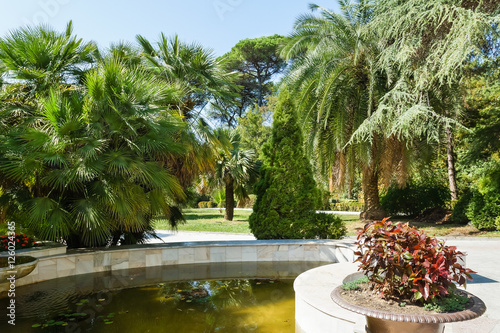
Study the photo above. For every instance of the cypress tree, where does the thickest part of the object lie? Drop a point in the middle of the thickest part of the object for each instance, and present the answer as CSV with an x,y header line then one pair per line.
x,y
287,196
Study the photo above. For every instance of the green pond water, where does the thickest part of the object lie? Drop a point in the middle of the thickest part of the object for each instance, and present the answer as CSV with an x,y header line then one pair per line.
x,y
232,297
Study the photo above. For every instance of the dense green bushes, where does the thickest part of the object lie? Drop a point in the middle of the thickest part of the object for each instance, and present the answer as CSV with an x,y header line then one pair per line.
x,y
459,214
287,196
414,198
483,209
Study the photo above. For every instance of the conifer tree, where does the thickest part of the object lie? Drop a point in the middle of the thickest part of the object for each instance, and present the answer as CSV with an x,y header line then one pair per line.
x,y
287,196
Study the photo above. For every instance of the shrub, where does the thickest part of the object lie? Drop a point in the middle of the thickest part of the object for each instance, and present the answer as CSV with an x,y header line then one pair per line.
x,y
287,196
414,198
347,206
484,207
22,241
207,204
483,211
325,226
459,214
403,262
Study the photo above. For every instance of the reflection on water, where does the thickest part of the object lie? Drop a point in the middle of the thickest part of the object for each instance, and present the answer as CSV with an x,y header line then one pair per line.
x,y
232,297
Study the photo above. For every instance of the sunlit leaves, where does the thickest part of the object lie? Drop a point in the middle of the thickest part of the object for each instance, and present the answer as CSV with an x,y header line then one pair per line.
x,y
401,261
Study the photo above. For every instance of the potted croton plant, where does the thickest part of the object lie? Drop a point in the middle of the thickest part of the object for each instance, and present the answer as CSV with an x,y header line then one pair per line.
x,y
409,281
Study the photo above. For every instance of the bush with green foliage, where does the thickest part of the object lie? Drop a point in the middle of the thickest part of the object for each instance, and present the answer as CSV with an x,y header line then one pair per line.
x,y
207,204
347,206
287,196
484,210
414,198
459,214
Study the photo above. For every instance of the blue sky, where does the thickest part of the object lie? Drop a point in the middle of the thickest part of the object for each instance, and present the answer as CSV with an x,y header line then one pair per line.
x,y
216,24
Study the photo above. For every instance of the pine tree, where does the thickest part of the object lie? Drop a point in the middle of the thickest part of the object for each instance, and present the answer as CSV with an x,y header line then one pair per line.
x,y
287,196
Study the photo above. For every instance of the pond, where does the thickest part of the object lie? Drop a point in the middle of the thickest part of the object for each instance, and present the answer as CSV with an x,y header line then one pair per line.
x,y
223,297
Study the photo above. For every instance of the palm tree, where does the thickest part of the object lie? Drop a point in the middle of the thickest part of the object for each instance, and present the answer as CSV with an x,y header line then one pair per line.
x,y
40,57
193,66
87,164
199,73
337,85
235,168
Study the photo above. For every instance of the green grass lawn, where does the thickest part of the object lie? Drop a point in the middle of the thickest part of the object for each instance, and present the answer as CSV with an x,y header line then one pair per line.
x,y
212,220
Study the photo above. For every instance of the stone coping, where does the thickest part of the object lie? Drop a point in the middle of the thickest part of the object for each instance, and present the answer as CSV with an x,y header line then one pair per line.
x,y
85,261
314,309
48,249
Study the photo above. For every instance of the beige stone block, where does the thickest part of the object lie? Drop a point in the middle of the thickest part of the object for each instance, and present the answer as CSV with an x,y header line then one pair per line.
x,y
295,252
234,253
282,248
66,263
266,252
344,254
218,254
119,257
152,259
249,253
327,253
47,272
201,254
170,256
98,269
311,247
102,259
280,256
119,265
186,255
46,262
137,259
84,264
311,255
66,272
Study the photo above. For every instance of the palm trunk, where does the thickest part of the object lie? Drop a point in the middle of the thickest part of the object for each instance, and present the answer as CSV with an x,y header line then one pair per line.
x,y
229,199
372,210
451,164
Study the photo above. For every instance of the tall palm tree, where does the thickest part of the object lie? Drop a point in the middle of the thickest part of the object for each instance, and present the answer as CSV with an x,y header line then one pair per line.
x,y
235,168
337,85
199,73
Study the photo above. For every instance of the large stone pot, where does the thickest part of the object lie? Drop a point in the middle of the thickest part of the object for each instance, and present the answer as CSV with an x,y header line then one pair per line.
x,y
378,321
23,266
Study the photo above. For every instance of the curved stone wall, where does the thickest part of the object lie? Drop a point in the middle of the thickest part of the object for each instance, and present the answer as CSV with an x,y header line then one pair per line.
x,y
85,261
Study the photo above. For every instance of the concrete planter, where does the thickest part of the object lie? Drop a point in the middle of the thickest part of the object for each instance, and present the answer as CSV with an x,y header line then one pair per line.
x,y
45,250
378,321
19,271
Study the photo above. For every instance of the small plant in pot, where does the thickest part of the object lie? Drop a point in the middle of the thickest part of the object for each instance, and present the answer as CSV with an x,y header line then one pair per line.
x,y
410,281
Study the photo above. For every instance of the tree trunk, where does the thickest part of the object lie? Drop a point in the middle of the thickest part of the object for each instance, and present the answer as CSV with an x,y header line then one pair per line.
x,y
451,164
259,93
372,210
229,199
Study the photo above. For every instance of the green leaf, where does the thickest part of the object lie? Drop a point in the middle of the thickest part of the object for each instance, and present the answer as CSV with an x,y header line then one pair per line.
x,y
407,255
